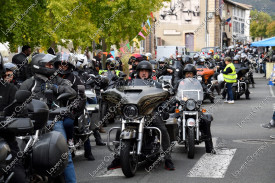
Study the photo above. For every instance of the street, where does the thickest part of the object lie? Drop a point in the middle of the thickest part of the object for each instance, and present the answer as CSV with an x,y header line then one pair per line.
x,y
245,151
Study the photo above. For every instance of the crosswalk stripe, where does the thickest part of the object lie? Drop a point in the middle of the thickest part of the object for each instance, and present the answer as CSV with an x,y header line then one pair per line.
x,y
213,166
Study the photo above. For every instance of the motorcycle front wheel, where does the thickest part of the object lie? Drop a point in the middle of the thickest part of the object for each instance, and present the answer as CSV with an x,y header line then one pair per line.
x,y
190,143
128,158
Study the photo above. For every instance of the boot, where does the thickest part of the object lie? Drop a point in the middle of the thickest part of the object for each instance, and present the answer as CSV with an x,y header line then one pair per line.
x,y
101,130
89,156
98,139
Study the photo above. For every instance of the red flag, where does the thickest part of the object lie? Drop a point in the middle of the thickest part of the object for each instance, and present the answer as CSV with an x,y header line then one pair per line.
x,y
152,15
121,49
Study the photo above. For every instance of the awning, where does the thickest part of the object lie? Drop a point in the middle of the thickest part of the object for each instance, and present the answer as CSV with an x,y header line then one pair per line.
x,y
265,42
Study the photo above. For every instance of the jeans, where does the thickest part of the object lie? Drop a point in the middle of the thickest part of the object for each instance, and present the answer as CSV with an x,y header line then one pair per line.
x,y
69,172
229,91
69,127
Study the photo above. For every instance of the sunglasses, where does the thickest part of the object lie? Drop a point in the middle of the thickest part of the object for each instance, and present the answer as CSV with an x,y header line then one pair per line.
x,y
8,75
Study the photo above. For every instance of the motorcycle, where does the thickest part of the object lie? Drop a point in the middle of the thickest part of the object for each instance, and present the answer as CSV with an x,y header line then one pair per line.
x,y
137,141
241,86
82,129
189,98
40,153
205,76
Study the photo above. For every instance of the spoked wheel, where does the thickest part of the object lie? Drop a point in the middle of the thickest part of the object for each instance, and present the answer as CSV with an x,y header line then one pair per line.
x,y
129,159
190,143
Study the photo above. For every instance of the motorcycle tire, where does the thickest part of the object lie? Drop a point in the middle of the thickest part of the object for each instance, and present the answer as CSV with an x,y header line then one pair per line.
x,y
235,94
128,162
190,143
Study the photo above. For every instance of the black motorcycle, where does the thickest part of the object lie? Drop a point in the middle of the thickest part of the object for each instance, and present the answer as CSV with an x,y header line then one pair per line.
x,y
43,155
241,86
138,140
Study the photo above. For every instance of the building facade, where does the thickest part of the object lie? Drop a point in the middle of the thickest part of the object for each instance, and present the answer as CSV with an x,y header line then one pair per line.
x,y
200,23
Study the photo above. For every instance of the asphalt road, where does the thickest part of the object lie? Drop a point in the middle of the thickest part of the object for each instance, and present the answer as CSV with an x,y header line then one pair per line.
x,y
245,152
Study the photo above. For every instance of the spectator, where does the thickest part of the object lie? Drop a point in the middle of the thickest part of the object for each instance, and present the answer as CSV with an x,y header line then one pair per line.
x,y
271,124
21,62
97,62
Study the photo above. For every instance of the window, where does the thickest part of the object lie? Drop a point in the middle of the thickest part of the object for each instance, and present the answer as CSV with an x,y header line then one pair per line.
x,y
242,28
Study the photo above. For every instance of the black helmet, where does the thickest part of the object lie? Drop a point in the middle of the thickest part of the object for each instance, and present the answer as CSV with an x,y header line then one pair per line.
x,y
186,59
38,64
10,67
144,65
1,65
64,59
190,68
201,61
112,62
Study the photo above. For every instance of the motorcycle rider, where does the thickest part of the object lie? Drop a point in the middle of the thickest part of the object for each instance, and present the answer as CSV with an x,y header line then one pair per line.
x,y
45,77
10,70
196,57
190,71
65,64
164,68
144,72
7,94
247,63
178,69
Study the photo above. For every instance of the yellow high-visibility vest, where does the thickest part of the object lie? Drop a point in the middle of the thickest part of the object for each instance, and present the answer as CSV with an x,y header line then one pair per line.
x,y
230,77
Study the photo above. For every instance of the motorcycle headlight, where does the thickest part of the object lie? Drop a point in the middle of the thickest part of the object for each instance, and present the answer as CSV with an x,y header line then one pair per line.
x,y
199,78
130,111
190,105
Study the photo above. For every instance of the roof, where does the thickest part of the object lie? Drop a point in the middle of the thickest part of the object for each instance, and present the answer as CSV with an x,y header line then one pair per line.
x,y
265,42
240,5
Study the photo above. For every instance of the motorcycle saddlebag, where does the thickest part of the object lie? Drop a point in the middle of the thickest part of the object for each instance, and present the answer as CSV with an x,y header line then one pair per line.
x,y
50,154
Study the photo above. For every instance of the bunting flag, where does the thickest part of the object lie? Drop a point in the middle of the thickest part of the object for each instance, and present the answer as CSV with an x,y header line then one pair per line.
x,y
128,46
121,50
140,33
136,40
148,21
230,24
113,54
144,28
228,20
152,15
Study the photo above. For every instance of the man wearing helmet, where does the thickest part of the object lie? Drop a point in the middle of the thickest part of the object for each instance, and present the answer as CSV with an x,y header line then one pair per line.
x,y
10,70
144,72
7,94
65,64
190,71
45,78
164,68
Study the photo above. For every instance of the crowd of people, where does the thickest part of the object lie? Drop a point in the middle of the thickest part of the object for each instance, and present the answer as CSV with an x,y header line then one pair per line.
x,y
64,72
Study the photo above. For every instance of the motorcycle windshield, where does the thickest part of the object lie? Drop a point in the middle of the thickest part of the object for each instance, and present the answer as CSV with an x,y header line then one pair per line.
x,y
189,88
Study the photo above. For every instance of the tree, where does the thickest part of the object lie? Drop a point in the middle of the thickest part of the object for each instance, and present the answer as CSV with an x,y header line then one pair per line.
x,y
47,22
259,23
270,30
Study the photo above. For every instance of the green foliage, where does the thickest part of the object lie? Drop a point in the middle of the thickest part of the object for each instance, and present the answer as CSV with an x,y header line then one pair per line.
x,y
259,23
48,22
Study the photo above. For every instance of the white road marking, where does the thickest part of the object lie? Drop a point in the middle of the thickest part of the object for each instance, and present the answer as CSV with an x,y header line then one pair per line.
x,y
213,166
271,91
112,173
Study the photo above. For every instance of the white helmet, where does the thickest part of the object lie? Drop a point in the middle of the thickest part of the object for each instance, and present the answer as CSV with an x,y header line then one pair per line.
x,y
81,61
149,56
